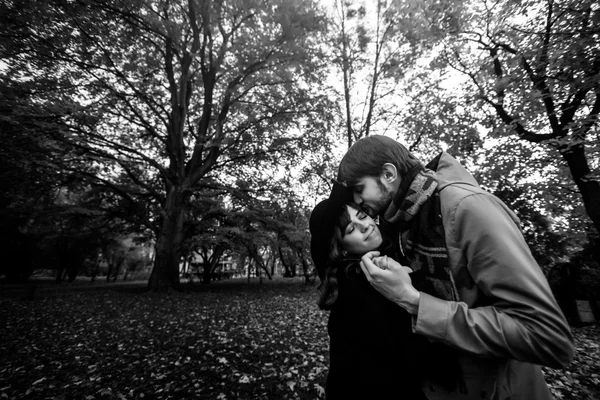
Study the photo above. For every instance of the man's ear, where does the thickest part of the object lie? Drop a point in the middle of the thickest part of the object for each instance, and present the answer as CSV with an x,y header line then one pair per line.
x,y
389,173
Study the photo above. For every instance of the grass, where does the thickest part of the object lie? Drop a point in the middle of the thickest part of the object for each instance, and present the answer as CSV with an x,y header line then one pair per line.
x,y
227,340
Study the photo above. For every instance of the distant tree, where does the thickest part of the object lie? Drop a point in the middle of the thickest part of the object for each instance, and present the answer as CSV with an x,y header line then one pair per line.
x,y
375,45
289,261
293,237
207,231
545,244
124,254
50,218
29,165
553,218
211,255
436,118
68,237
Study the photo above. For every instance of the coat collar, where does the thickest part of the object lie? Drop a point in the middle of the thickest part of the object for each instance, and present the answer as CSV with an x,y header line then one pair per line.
x,y
451,171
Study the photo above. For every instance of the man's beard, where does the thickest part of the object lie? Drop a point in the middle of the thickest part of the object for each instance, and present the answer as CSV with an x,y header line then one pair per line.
x,y
382,204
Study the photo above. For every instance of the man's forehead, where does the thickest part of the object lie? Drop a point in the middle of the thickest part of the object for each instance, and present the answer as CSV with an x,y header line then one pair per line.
x,y
365,180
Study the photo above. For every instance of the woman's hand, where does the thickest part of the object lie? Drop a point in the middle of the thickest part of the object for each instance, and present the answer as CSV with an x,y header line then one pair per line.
x,y
391,279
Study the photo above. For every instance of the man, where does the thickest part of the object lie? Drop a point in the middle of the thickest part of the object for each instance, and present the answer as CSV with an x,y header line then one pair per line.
x,y
481,291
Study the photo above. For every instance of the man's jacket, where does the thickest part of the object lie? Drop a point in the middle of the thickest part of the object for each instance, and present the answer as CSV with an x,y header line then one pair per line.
x,y
507,321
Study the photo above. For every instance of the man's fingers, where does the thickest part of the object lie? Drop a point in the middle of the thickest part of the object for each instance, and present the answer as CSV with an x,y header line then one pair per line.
x,y
381,262
370,255
367,265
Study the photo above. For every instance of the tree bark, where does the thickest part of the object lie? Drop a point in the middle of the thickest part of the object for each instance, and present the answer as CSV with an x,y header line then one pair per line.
x,y
587,185
117,270
165,274
346,74
206,270
260,265
289,268
210,265
305,267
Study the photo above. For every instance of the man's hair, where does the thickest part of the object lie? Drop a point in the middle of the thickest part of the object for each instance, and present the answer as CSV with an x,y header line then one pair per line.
x,y
367,156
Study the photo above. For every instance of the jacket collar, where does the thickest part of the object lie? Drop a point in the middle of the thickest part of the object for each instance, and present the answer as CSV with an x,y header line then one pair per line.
x,y
451,171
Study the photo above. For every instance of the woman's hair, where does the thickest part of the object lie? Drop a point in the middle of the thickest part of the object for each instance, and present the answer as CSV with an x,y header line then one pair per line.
x,y
368,155
329,285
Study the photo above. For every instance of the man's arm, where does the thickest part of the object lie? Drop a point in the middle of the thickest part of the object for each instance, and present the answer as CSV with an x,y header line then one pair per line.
x,y
521,321
391,279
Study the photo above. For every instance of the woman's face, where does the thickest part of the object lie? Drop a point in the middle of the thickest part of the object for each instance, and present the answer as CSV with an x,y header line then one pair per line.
x,y
361,234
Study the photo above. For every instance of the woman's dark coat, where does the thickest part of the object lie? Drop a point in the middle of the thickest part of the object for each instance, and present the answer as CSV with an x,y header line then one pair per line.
x,y
368,356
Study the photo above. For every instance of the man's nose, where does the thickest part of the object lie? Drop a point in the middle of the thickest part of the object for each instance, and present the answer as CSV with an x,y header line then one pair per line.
x,y
356,198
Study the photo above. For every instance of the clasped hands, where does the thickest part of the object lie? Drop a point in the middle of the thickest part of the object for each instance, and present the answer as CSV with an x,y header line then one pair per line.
x,y
391,279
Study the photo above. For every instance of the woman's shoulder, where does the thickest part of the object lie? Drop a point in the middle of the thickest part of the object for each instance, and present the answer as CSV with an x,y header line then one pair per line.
x,y
355,291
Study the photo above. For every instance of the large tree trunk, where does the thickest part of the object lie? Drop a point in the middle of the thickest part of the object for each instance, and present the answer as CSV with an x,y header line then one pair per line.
x,y
588,187
165,273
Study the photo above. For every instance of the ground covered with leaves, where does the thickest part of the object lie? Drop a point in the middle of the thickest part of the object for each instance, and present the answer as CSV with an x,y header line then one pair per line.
x,y
227,340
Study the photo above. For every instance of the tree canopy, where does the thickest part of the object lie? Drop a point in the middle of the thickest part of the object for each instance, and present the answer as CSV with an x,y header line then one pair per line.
x,y
167,99
215,126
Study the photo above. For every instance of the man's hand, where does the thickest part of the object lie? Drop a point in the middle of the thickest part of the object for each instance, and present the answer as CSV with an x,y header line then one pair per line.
x,y
391,279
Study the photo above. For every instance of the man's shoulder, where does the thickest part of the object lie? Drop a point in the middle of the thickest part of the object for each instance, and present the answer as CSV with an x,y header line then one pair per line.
x,y
471,200
452,195
459,190
450,171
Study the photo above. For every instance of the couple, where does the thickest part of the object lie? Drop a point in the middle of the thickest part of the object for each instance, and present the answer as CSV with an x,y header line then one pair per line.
x,y
442,299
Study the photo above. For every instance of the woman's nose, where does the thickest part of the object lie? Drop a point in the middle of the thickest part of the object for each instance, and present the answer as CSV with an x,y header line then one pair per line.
x,y
363,226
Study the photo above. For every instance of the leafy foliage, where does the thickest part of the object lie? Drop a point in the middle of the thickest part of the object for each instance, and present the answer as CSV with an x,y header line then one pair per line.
x,y
534,66
227,341
213,126
532,188
168,99
375,47
40,223
257,341
582,379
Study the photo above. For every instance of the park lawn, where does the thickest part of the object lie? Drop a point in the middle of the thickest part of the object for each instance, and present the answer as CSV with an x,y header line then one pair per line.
x,y
227,340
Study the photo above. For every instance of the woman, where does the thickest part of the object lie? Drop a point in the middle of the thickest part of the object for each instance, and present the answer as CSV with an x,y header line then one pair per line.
x,y
372,351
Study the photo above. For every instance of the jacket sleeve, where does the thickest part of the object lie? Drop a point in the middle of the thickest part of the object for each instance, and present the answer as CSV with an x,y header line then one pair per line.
x,y
520,319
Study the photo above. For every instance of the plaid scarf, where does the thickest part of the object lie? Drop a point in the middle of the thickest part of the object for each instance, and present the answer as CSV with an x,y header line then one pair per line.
x,y
416,208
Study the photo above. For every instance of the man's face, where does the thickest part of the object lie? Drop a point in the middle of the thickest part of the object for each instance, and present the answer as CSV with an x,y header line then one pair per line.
x,y
372,194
